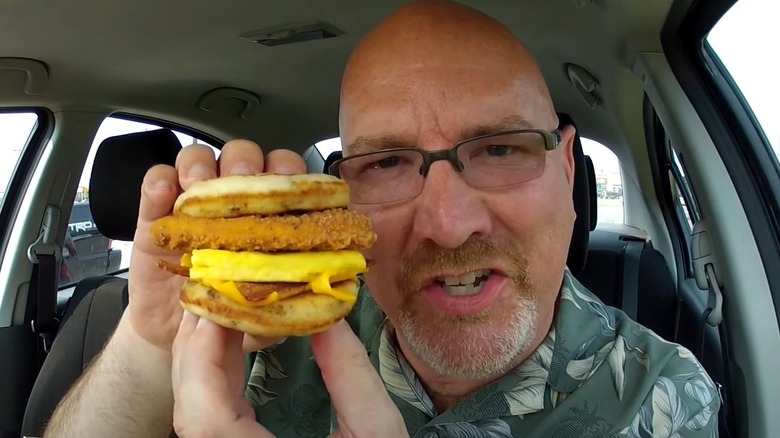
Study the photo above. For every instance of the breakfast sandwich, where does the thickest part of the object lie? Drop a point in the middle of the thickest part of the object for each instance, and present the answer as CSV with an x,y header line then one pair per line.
x,y
269,255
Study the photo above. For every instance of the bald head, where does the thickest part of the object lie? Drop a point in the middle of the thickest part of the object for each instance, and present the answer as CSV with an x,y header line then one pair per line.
x,y
432,55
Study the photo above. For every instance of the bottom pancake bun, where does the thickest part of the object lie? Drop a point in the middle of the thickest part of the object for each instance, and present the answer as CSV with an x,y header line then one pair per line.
x,y
300,315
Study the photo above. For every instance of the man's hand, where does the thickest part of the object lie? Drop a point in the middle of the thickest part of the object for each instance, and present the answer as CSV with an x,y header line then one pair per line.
x,y
154,311
208,382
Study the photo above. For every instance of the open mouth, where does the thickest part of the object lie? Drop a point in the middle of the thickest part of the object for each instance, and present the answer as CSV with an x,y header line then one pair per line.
x,y
468,284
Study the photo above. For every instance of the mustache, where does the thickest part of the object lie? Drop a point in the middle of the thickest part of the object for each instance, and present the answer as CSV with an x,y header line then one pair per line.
x,y
428,259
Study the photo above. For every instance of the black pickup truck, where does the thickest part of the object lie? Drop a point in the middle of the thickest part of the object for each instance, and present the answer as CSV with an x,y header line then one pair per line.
x,y
86,252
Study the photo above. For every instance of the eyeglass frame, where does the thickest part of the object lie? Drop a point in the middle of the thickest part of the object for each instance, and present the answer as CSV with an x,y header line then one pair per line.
x,y
552,140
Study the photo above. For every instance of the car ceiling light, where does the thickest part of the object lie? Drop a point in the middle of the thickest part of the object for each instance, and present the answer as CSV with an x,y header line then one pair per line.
x,y
295,33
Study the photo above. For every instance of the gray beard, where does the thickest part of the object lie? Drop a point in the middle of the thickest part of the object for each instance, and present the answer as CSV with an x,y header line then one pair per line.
x,y
481,350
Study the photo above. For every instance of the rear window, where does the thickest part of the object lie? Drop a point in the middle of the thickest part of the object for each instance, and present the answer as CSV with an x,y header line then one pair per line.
x,y
87,252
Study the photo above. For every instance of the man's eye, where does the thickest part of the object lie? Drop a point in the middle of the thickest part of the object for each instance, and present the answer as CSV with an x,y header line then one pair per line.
x,y
498,150
386,163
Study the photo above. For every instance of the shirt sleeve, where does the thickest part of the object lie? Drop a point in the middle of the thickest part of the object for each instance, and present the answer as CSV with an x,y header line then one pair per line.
x,y
683,402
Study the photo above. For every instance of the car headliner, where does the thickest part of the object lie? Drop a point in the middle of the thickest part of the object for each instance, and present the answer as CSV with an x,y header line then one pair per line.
x,y
158,59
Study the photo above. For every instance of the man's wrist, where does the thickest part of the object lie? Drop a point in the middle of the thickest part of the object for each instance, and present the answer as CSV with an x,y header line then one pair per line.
x,y
133,350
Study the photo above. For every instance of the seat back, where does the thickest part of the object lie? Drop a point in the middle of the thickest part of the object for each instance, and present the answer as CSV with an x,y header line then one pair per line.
x,y
642,284
97,303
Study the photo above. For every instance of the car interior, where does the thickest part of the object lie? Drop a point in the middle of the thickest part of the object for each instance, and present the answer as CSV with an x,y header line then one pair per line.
x,y
695,257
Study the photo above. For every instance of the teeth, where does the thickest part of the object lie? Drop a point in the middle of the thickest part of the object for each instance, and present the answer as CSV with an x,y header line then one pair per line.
x,y
451,281
462,291
466,279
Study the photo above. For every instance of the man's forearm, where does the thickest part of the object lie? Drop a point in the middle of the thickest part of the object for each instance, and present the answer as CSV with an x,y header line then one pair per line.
x,y
125,392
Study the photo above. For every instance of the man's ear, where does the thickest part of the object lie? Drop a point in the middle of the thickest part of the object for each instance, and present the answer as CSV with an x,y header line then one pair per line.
x,y
566,148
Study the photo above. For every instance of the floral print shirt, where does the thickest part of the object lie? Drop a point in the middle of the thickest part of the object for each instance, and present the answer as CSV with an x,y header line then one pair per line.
x,y
597,374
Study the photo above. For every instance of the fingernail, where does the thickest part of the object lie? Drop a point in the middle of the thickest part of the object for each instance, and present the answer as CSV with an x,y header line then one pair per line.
x,y
284,169
161,185
200,171
243,168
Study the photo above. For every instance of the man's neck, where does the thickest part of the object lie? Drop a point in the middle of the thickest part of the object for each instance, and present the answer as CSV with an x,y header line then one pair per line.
x,y
445,391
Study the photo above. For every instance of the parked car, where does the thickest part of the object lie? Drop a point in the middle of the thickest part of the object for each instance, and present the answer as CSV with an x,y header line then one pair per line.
x,y
86,251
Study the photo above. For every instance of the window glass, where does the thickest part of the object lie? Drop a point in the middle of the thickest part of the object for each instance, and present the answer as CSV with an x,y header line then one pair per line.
x,y
609,181
745,39
327,147
15,130
683,192
86,252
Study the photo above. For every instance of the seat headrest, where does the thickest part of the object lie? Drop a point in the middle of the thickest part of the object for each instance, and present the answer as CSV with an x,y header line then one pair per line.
x,y
117,173
332,158
578,248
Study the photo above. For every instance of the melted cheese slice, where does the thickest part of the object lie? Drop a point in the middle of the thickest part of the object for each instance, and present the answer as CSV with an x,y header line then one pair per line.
x,y
219,270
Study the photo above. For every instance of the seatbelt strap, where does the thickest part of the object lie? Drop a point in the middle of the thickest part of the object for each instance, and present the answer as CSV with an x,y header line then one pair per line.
x,y
630,298
45,253
45,323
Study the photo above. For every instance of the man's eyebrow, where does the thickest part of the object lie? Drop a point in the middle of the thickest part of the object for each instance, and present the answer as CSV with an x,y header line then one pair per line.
x,y
363,145
509,123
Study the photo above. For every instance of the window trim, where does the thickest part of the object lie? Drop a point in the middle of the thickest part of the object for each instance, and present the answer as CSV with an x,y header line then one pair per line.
x,y
195,133
27,161
733,130
657,140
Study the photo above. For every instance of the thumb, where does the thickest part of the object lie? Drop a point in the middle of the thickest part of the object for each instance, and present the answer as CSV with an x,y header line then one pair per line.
x,y
357,392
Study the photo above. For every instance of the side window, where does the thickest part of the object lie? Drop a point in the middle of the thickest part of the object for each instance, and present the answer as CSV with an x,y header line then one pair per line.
x,y
609,182
687,208
86,252
743,40
15,130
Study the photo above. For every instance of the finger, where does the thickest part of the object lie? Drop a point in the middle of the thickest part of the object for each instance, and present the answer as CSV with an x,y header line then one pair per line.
x,y
213,350
285,162
194,163
355,387
158,193
210,343
253,343
241,157
186,328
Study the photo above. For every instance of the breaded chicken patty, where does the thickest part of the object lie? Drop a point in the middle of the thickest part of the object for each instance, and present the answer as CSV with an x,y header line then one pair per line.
x,y
334,229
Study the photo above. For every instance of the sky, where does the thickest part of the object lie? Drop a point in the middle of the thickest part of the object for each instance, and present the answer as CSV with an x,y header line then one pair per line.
x,y
745,40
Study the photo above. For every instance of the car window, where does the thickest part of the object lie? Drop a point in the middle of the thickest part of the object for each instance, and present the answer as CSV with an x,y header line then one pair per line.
x,y
744,40
609,180
86,251
15,130
683,194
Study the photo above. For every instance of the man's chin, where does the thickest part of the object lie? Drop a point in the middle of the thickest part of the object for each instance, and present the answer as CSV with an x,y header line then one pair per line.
x,y
475,346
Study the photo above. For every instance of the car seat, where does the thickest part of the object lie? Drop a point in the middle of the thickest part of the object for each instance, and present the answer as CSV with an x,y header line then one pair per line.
x,y
97,303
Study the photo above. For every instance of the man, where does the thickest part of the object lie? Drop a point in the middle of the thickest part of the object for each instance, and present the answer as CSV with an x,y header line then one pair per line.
x,y
469,316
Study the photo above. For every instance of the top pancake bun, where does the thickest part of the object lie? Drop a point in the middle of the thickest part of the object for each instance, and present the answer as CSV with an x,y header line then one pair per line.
x,y
267,194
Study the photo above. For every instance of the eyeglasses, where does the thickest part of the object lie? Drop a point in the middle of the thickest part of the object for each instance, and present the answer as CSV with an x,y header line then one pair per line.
x,y
488,161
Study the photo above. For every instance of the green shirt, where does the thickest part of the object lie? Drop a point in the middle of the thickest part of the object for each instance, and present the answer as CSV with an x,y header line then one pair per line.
x,y
597,374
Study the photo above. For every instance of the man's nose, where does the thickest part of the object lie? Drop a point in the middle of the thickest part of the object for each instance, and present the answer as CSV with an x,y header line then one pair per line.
x,y
448,211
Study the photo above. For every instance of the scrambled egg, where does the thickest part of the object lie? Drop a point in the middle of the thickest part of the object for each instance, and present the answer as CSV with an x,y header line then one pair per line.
x,y
220,270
